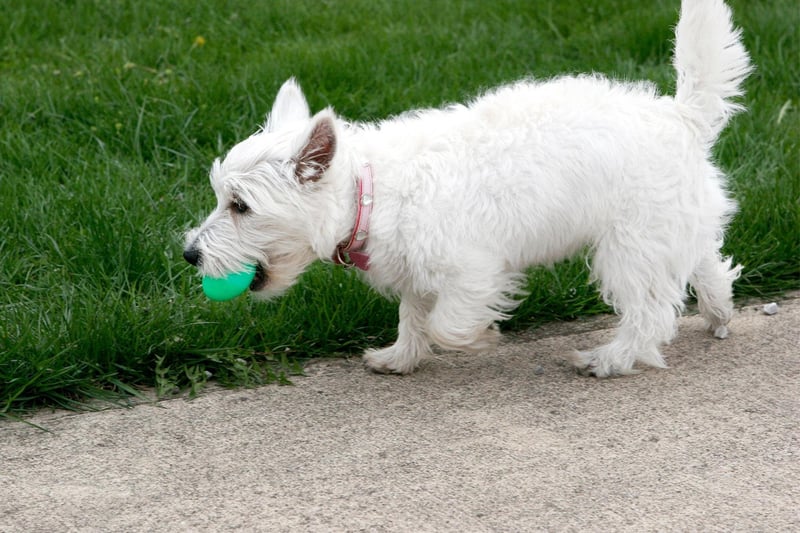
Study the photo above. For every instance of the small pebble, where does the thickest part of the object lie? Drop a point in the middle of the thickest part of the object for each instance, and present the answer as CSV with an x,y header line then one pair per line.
x,y
539,370
771,308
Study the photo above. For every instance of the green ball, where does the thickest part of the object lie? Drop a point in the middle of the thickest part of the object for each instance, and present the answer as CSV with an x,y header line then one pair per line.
x,y
230,286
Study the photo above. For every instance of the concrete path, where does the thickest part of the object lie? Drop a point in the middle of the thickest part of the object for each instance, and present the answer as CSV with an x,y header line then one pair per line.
x,y
509,441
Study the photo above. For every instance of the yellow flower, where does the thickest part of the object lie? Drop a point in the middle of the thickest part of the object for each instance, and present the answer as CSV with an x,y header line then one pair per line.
x,y
199,41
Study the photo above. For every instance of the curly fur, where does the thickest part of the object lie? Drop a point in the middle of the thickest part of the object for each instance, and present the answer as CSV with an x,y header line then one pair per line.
x,y
467,197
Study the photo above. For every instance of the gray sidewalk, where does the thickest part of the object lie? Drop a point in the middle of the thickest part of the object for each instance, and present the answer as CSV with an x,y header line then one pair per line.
x,y
509,441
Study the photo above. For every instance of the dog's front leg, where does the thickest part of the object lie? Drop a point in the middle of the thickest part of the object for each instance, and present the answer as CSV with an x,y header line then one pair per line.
x,y
457,326
412,344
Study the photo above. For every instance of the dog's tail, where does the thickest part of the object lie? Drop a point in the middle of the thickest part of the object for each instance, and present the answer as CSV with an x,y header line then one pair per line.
x,y
712,63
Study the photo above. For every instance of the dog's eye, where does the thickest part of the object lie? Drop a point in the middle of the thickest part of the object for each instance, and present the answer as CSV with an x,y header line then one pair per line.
x,y
239,206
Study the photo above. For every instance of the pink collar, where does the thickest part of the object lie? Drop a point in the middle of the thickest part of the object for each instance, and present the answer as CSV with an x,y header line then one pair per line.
x,y
348,253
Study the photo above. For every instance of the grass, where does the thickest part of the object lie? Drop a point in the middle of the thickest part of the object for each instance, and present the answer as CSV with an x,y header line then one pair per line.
x,y
111,112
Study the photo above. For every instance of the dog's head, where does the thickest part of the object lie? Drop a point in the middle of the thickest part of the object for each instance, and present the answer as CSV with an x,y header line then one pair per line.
x,y
270,198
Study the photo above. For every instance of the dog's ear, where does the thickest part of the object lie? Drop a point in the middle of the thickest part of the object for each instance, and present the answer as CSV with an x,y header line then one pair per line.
x,y
290,106
316,154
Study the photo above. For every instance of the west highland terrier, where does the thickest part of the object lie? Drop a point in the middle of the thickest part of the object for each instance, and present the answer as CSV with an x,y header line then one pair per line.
x,y
446,208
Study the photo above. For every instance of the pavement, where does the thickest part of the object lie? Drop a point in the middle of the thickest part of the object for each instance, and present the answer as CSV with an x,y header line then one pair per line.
x,y
513,440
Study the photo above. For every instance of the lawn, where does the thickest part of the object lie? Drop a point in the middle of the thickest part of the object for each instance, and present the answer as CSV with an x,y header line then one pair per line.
x,y
112,111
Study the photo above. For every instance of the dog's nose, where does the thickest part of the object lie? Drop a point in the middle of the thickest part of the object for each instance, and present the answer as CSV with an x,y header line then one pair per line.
x,y
192,256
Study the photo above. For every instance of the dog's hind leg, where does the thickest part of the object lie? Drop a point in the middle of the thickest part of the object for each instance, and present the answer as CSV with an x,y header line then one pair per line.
x,y
713,284
648,293
412,344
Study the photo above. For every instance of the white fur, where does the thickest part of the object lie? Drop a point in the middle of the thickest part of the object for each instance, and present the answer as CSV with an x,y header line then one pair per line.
x,y
469,196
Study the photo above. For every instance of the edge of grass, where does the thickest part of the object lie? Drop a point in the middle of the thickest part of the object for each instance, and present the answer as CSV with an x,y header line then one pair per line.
x,y
111,113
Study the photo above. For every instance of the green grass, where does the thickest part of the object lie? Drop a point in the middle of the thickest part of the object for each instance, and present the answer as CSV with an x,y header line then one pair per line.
x,y
111,112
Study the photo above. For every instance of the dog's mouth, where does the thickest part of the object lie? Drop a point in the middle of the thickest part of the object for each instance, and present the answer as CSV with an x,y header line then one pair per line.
x,y
260,280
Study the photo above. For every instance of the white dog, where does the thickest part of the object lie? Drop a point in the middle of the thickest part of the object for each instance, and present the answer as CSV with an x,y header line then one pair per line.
x,y
445,208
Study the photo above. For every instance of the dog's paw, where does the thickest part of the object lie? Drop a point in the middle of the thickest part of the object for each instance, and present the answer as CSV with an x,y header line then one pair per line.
x,y
389,361
592,363
721,332
479,341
